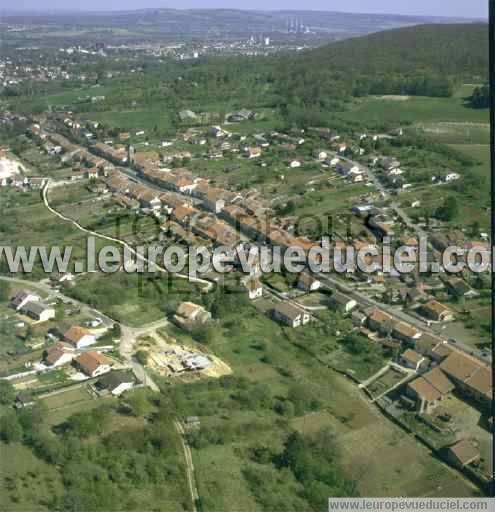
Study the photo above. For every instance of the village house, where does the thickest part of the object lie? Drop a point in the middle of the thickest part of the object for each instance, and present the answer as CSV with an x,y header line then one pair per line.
x,y
149,199
413,295
247,260
290,315
293,164
320,155
463,453
183,214
342,302
126,202
240,116
261,141
219,232
472,377
117,183
429,390
441,352
58,355
79,337
170,201
116,382
346,168
307,282
218,132
92,173
411,359
38,311
437,311
405,333
364,210
254,288
253,152
22,298
380,321
213,199
388,163
93,364
452,176
98,187
117,156
459,288
178,183
433,347
358,318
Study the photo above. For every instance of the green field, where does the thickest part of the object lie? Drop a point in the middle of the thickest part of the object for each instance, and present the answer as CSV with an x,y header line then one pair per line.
x,y
30,223
77,95
414,110
135,120
27,482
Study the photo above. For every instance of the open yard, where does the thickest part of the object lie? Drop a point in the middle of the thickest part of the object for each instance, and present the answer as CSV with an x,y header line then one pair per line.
x,y
386,381
27,482
132,298
417,110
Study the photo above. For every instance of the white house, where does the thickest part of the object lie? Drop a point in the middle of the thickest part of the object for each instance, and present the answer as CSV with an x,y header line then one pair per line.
x,y
58,355
341,301
411,359
66,276
38,311
254,288
452,176
346,168
320,155
307,282
22,298
79,337
294,164
253,152
117,382
93,364
290,315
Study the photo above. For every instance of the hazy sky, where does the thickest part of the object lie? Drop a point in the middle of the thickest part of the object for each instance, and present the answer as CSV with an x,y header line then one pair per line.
x,y
460,8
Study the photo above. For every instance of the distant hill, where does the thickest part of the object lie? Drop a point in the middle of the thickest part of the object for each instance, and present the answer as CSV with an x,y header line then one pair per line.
x,y
162,23
442,48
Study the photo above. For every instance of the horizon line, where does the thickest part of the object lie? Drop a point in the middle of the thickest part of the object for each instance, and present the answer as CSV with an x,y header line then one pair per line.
x,y
75,10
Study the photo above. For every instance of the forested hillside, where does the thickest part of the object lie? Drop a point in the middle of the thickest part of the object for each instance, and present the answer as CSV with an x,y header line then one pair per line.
x,y
426,60
447,49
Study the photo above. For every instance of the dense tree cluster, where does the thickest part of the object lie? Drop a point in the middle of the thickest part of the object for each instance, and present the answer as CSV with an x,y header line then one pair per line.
x,y
480,97
101,469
